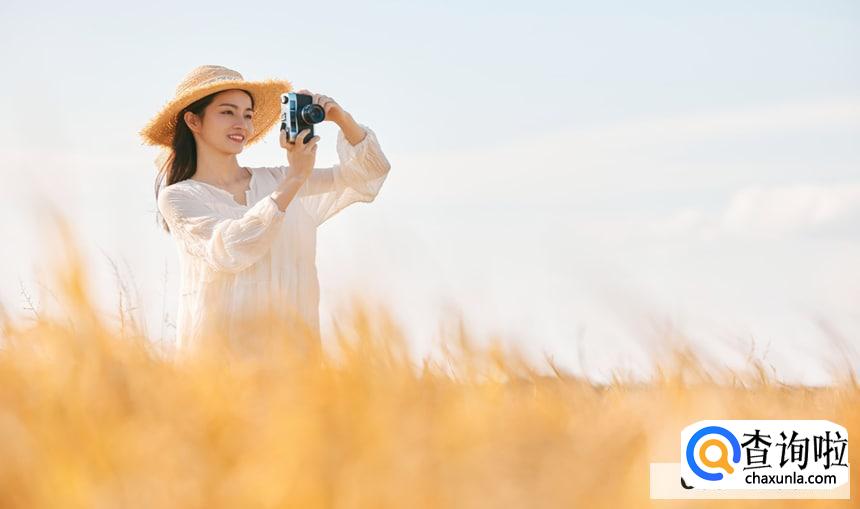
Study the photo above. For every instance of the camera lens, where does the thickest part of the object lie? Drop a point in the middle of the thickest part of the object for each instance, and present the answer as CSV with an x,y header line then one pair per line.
x,y
313,114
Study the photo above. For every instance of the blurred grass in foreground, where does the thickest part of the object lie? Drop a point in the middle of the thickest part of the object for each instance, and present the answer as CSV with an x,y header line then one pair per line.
x,y
93,418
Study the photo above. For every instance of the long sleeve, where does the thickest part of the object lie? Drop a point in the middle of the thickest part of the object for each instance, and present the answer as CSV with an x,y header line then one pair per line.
x,y
226,244
358,177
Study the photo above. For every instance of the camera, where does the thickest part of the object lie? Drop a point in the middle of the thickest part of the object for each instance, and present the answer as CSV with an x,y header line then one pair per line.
x,y
298,112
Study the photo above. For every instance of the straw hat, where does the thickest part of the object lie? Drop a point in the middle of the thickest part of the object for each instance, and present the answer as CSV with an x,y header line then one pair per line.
x,y
209,79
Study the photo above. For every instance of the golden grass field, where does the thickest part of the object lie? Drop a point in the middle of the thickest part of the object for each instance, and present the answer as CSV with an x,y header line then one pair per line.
x,y
96,417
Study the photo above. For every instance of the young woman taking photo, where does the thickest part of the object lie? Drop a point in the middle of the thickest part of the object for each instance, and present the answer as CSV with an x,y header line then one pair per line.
x,y
246,237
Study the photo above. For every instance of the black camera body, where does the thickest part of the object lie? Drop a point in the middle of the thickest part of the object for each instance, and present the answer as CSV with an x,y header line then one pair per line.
x,y
298,112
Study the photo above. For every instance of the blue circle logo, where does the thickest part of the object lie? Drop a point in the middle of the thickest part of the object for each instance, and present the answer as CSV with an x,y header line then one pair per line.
x,y
722,462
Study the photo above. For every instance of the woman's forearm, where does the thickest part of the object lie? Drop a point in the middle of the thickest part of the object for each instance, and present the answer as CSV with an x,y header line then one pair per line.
x,y
353,132
290,186
287,190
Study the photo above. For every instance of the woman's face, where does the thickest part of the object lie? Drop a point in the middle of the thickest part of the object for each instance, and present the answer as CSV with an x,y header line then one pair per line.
x,y
227,122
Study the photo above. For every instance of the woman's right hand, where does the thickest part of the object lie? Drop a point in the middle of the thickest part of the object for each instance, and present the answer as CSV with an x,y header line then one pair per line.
x,y
300,155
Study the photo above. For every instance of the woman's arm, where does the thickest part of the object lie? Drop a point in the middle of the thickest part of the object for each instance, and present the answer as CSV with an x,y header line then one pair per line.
x,y
224,243
287,190
358,177
353,132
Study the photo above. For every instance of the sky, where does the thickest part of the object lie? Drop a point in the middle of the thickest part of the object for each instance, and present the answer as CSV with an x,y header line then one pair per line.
x,y
573,178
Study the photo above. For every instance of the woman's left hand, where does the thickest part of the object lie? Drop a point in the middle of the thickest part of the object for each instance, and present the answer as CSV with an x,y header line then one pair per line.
x,y
333,110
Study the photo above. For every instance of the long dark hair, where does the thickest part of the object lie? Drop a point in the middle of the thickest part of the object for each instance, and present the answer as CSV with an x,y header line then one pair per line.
x,y
181,164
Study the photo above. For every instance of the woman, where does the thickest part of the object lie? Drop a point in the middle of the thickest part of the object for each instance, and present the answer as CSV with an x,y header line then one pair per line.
x,y
246,237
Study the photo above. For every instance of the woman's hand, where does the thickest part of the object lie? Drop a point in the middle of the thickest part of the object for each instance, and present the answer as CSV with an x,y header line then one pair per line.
x,y
353,132
333,110
300,155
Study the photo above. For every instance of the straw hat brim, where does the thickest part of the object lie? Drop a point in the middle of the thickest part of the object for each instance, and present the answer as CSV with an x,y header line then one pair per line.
x,y
267,109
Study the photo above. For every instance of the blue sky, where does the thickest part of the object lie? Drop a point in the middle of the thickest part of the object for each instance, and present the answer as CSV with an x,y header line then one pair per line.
x,y
612,162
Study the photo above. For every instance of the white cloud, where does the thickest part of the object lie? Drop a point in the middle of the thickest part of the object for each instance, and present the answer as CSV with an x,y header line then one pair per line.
x,y
636,156
764,212
688,127
780,210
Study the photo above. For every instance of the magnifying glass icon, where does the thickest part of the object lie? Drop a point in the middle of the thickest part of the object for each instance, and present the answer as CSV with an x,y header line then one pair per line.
x,y
722,461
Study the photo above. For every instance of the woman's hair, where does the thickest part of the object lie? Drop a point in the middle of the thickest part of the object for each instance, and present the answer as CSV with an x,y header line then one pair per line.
x,y
181,163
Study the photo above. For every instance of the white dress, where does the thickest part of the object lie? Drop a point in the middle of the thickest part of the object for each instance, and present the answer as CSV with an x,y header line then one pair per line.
x,y
235,258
